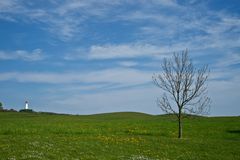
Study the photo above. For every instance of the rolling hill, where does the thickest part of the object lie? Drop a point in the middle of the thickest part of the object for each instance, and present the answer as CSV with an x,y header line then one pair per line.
x,y
124,135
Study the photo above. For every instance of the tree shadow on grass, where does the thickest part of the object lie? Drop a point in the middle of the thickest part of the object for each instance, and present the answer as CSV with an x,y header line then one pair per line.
x,y
234,131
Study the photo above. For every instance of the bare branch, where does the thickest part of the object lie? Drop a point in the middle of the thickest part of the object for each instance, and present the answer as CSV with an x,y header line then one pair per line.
x,y
165,105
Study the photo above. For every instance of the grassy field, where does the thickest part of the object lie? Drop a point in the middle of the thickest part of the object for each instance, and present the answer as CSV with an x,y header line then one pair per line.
x,y
123,136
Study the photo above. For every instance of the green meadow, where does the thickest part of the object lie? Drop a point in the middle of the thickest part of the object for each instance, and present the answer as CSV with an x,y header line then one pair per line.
x,y
120,136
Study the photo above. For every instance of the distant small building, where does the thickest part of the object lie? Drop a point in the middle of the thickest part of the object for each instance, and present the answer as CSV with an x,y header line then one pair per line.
x,y
26,104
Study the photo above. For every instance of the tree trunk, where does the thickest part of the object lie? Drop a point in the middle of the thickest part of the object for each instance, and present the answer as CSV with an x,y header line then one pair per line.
x,y
179,126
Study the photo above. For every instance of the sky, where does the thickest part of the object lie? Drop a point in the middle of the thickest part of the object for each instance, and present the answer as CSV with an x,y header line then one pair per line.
x,y
91,56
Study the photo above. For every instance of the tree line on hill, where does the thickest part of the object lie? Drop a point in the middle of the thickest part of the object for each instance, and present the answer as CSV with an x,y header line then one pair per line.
x,y
13,110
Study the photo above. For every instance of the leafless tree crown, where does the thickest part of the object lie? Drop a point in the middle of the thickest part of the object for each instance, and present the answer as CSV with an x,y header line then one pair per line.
x,y
184,85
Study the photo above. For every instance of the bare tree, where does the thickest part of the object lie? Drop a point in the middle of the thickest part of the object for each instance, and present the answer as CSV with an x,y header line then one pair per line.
x,y
185,91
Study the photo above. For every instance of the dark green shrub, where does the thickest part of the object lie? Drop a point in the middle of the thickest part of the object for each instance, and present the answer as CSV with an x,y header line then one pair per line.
x,y
26,110
1,106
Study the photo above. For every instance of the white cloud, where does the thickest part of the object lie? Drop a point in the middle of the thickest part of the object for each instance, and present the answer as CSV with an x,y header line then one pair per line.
x,y
128,63
35,55
7,5
112,51
7,18
121,51
87,7
168,3
115,76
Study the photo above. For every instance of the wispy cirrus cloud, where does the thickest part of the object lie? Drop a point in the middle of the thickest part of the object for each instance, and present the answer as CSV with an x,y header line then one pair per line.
x,y
111,76
63,19
7,5
122,51
228,60
128,63
35,55
67,19
201,29
118,51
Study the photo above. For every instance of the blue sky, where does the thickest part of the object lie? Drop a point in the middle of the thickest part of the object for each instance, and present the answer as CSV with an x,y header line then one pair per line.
x,y
89,56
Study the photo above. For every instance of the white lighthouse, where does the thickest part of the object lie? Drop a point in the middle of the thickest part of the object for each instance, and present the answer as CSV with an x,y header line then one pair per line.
x,y
26,104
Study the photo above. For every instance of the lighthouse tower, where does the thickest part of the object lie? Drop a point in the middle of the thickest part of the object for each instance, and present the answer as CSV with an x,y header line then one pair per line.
x,y
26,105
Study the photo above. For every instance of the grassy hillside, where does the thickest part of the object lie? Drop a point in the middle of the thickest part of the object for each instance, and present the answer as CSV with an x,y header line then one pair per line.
x,y
123,136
